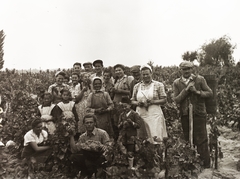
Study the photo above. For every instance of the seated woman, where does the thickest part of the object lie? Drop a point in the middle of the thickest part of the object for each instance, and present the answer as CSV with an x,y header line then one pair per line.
x,y
34,143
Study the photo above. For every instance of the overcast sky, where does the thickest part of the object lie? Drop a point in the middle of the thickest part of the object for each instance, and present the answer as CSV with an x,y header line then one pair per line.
x,y
50,34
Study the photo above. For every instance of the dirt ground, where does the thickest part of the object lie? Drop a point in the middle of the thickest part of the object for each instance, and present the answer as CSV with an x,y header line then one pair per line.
x,y
227,166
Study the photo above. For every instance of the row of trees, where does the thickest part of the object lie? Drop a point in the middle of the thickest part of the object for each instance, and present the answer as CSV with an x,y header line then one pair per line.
x,y
218,52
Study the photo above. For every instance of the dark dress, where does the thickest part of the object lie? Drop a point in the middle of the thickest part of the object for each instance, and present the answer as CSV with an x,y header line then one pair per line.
x,y
102,100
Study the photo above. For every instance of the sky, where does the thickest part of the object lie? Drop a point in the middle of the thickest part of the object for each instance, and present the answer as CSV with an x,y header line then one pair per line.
x,y
50,34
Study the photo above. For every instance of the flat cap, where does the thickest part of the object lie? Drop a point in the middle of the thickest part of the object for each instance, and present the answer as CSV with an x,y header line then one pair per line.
x,y
97,61
186,64
135,68
87,63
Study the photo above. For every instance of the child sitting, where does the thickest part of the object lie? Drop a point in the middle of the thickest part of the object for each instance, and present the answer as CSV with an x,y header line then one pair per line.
x,y
129,122
46,113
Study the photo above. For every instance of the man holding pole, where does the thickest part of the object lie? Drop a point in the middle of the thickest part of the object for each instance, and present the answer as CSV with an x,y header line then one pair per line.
x,y
190,92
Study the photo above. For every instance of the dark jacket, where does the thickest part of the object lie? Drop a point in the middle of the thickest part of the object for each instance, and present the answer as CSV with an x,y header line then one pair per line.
x,y
183,97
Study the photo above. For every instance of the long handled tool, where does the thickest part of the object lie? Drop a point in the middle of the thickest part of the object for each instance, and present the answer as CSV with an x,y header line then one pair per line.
x,y
191,125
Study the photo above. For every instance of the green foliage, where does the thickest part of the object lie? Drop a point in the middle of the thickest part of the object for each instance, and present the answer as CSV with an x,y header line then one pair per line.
x,y
175,156
190,56
217,52
2,36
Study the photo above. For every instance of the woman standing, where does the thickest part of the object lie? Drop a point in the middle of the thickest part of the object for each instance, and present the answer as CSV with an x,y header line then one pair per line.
x,y
148,95
81,101
107,82
100,103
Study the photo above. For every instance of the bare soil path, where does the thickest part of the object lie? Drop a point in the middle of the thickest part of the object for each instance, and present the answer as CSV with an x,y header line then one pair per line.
x,y
227,166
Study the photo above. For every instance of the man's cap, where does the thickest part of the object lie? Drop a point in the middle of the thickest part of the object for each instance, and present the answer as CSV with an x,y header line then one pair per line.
x,y
97,61
146,66
126,99
60,73
87,63
135,68
186,64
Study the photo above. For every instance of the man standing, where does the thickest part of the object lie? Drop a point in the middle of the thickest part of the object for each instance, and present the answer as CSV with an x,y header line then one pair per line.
x,y
88,161
191,91
98,66
77,68
88,67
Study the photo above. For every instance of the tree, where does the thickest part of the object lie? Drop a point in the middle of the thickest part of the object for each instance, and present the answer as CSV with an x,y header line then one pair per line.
x,y
190,56
2,36
217,52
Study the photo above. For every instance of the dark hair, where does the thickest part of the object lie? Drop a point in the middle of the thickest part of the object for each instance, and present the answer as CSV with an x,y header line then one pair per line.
x,y
67,77
65,90
47,94
77,63
75,73
35,122
119,66
90,116
98,61
108,71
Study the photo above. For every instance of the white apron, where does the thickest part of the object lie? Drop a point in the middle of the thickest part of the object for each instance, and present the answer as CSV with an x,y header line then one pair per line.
x,y
153,116
46,115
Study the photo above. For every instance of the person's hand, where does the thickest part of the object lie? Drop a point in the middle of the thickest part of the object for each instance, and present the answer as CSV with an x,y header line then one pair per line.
x,y
129,120
104,148
126,124
141,104
120,125
71,131
85,89
191,84
98,111
193,89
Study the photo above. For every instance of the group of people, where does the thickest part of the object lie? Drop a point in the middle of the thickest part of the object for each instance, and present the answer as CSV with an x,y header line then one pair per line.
x,y
93,100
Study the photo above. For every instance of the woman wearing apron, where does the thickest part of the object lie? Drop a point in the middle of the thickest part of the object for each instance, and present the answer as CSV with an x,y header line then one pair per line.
x,y
149,95
100,103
